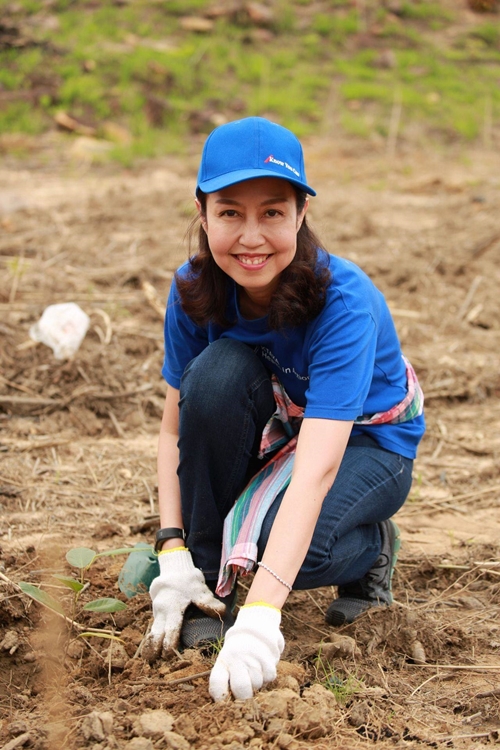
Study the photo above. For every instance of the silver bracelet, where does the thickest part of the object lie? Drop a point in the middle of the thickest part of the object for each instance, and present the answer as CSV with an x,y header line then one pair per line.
x,y
262,565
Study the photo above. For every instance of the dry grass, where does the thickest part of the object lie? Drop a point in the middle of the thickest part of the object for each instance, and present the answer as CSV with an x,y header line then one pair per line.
x,y
78,444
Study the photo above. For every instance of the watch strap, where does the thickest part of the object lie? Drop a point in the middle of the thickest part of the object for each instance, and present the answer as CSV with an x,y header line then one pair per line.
x,y
171,533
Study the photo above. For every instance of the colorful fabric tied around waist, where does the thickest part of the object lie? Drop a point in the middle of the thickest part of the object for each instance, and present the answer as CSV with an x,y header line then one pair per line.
x,y
244,521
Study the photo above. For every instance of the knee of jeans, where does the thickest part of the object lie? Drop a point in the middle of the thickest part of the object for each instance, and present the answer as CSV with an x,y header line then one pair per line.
x,y
221,373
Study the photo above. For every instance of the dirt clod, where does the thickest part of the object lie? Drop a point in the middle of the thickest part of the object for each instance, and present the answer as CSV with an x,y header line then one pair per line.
x,y
154,723
176,741
97,725
139,743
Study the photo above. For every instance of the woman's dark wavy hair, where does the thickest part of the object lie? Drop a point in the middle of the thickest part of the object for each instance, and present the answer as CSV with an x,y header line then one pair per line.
x,y
300,295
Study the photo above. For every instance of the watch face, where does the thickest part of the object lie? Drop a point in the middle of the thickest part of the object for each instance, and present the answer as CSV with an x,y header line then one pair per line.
x,y
163,534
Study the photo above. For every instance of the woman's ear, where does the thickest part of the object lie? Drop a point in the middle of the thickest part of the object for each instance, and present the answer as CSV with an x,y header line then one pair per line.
x,y
301,215
201,215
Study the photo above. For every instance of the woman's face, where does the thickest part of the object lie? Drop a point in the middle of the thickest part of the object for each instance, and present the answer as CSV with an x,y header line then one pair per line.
x,y
252,232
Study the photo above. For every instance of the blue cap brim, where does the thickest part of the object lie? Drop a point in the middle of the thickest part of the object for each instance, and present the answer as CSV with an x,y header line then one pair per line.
x,y
232,178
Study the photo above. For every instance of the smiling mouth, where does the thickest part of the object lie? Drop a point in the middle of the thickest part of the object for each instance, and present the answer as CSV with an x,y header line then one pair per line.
x,y
255,260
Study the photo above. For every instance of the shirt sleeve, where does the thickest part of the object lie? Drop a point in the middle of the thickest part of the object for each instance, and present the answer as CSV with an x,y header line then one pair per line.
x,y
184,340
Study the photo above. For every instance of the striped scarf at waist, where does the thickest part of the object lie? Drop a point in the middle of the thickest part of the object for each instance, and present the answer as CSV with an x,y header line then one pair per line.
x,y
244,521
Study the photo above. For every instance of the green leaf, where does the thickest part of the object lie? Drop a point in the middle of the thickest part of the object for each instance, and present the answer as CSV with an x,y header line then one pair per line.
x,y
71,583
41,597
122,551
105,605
80,557
95,634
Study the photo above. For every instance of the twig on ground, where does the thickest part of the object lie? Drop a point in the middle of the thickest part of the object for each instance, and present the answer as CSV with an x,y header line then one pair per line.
x,y
188,678
107,322
491,572
482,567
40,298
30,400
303,622
114,419
110,662
19,270
469,297
441,596
475,736
18,741
482,247
488,693
153,298
93,390
459,667
458,443
150,496
149,523
16,386
438,676
141,644
449,503
477,493
311,597
11,482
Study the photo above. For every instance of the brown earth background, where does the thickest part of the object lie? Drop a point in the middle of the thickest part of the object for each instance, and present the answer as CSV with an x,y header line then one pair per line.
x,y
78,442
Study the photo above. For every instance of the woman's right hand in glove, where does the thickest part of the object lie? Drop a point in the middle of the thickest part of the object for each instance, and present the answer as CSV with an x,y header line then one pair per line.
x,y
178,585
250,654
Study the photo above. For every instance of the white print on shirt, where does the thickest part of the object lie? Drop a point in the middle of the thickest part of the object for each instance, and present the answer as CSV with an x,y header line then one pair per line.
x,y
267,354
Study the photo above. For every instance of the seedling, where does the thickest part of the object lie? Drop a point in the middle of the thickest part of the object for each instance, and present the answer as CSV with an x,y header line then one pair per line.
x,y
81,558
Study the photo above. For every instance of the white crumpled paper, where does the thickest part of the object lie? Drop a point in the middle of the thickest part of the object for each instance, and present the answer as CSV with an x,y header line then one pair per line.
x,y
62,327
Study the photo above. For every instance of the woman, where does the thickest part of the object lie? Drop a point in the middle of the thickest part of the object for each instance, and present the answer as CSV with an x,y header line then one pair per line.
x,y
285,377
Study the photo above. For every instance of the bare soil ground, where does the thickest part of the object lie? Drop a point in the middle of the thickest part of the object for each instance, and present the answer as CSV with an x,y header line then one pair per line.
x,y
78,442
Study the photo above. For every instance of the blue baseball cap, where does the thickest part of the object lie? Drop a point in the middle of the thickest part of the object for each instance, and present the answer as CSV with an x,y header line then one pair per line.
x,y
250,148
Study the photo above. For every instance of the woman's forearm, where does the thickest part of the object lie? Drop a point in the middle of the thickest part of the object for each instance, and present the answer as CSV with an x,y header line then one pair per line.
x,y
319,452
169,495
287,546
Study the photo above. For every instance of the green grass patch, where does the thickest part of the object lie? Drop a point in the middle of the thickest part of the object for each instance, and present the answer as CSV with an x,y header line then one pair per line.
x,y
335,26
489,33
22,117
427,12
134,65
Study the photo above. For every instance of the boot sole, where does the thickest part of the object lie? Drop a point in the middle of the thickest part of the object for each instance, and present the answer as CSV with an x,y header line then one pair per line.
x,y
354,607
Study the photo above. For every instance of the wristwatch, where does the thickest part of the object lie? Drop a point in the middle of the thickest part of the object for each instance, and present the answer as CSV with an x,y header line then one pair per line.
x,y
163,534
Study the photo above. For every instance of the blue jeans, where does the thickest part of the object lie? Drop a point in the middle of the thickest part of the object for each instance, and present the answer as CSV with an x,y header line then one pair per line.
x,y
226,399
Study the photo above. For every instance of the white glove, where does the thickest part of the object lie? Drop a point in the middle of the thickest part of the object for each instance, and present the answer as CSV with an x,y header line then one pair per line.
x,y
178,585
250,654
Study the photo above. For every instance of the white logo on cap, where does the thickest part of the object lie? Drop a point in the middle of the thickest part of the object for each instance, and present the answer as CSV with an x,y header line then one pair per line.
x,y
285,164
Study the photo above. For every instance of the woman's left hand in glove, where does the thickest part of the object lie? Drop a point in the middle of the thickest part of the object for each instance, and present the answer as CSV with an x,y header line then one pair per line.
x,y
250,654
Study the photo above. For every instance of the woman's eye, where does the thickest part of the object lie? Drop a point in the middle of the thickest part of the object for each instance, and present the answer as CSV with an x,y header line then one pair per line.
x,y
273,212
229,212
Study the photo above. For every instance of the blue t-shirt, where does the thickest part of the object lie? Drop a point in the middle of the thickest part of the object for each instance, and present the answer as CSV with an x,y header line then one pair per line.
x,y
343,364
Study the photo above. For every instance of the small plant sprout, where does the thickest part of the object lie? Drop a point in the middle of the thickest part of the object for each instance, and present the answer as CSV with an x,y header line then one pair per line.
x,y
81,558
213,648
342,687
